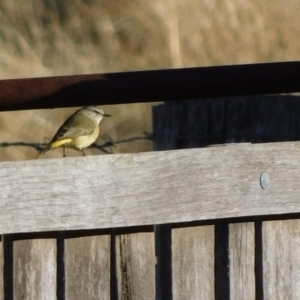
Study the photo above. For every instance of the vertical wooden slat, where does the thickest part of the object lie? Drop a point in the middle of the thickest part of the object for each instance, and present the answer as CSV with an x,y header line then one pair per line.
x,y
87,267
35,269
242,255
193,263
136,266
281,259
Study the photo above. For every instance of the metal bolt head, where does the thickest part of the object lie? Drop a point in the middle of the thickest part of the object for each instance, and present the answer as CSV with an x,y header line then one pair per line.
x,y
264,180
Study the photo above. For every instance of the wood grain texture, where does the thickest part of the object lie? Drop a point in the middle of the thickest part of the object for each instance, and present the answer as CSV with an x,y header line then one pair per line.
x,y
193,263
136,266
241,253
87,268
281,260
35,269
151,188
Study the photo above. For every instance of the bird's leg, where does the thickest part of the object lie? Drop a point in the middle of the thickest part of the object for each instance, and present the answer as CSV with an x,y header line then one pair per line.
x,y
64,151
83,154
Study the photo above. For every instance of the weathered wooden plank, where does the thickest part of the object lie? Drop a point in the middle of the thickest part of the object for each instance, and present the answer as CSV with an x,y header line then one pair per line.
x,y
193,263
241,253
136,266
35,269
87,267
281,260
151,188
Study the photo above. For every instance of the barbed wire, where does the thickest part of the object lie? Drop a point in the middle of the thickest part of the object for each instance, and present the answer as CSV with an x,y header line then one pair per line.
x,y
210,140
103,147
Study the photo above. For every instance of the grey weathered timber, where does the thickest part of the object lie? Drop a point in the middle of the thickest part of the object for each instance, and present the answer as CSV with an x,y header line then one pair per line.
x,y
135,260
241,253
87,267
193,263
149,188
34,269
281,260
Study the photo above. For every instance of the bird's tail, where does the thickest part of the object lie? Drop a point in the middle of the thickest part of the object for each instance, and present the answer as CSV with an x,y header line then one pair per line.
x,y
46,149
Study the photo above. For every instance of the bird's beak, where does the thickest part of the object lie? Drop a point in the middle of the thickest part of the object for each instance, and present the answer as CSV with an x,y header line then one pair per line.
x,y
106,115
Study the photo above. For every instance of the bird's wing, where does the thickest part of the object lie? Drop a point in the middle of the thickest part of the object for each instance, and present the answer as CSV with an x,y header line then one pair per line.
x,y
75,127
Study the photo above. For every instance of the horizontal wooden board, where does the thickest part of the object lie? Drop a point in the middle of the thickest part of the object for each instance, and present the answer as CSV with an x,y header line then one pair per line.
x,y
149,188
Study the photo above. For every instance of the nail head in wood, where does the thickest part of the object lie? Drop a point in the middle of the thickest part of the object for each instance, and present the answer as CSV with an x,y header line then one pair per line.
x,y
264,180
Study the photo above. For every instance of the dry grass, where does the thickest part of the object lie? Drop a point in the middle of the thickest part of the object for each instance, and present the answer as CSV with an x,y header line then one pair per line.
x,y
52,37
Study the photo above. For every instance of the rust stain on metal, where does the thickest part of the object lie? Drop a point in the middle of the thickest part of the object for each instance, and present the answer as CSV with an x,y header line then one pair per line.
x,y
150,86
20,90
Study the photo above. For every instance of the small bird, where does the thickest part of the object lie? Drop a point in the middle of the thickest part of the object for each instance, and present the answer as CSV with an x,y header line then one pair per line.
x,y
79,131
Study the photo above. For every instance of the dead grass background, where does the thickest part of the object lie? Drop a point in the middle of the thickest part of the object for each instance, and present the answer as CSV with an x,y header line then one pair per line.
x,y
53,37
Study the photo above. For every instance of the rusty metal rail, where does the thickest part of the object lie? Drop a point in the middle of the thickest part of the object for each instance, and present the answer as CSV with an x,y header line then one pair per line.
x,y
150,86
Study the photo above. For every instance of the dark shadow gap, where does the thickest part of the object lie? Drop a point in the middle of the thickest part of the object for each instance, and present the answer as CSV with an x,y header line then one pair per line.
x,y
7,241
60,272
238,220
113,267
258,263
222,284
163,270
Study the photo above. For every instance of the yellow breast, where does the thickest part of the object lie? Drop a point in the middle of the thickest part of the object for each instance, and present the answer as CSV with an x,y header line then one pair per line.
x,y
79,142
84,141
